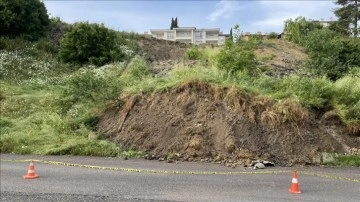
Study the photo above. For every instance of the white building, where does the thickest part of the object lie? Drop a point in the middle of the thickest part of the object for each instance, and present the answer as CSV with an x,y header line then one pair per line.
x,y
190,35
325,23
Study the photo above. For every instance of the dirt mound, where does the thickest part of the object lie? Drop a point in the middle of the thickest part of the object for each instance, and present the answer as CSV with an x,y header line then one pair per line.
x,y
197,121
282,57
159,50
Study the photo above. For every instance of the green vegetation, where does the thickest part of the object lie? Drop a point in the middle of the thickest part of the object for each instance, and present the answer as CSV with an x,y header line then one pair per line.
x,y
330,54
194,53
345,160
238,55
23,18
51,106
174,23
349,16
272,35
297,30
90,43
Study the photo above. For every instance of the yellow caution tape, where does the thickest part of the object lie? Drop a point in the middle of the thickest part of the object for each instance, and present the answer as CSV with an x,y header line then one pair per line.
x,y
184,172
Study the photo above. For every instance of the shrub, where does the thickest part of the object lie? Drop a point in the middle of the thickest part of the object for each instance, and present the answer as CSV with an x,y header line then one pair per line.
x,y
23,18
272,35
89,85
56,30
12,44
194,53
136,70
238,56
331,54
297,30
89,43
25,64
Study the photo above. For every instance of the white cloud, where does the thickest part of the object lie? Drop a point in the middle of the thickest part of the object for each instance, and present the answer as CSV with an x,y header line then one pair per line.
x,y
276,12
115,15
224,10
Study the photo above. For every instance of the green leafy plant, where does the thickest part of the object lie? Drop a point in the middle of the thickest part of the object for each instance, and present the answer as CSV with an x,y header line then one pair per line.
x,y
194,53
345,160
272,35
90,43
238,55
27,19
330,54
297,30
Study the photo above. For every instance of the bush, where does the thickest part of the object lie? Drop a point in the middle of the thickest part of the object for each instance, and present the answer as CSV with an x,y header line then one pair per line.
x,y
238,56
90,43
12,44
272,35
297,30
23,18
194,53
56,30
136,70
330,54
90,85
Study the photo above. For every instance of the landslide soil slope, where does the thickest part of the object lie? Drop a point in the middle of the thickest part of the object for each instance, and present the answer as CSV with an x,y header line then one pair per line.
x,y
197,121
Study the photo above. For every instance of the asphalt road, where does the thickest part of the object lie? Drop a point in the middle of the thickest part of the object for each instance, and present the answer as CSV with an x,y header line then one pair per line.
x,y
64,178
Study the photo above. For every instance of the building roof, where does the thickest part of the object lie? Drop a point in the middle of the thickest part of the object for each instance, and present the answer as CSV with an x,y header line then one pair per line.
x,y
184,28
160,30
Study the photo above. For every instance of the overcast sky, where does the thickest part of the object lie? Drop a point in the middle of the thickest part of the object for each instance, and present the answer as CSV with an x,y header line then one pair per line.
x,y
140,16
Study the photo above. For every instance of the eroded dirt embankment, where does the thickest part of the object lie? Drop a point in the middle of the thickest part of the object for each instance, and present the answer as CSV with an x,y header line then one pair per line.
x,y
198,121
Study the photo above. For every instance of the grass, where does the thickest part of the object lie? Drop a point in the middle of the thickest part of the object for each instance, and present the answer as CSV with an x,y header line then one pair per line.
x,y
345,160
53,109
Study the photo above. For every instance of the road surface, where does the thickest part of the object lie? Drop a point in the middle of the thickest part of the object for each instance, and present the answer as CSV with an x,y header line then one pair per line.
x,y
65,178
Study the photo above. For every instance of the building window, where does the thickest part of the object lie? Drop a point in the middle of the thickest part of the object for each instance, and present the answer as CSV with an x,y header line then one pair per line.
x,y
198,34
170,35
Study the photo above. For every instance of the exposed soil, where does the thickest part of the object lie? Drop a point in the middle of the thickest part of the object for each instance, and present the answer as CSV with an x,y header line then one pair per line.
x,y
282,57
198,121
159,50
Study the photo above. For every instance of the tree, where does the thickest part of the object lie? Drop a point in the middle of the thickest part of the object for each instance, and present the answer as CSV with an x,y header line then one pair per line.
x,y
231,34
172,23
331,54
348,16
297,30
23,18
89,43
340,27
176,23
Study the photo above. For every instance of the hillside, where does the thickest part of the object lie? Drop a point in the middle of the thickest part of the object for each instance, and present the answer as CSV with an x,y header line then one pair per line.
x,y
198,121
163,105
206,122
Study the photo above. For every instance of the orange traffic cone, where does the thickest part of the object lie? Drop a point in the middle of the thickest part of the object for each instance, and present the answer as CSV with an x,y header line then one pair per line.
x,y
294,188
31,172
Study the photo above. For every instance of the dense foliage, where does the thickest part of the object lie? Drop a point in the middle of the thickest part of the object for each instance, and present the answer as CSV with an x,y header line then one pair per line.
x,y
90,43
330,54
23,18
237,54
297,30
194,53
272,35
174,23
348,17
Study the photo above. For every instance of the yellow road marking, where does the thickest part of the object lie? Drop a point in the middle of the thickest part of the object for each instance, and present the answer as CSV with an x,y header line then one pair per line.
x,y
327,176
